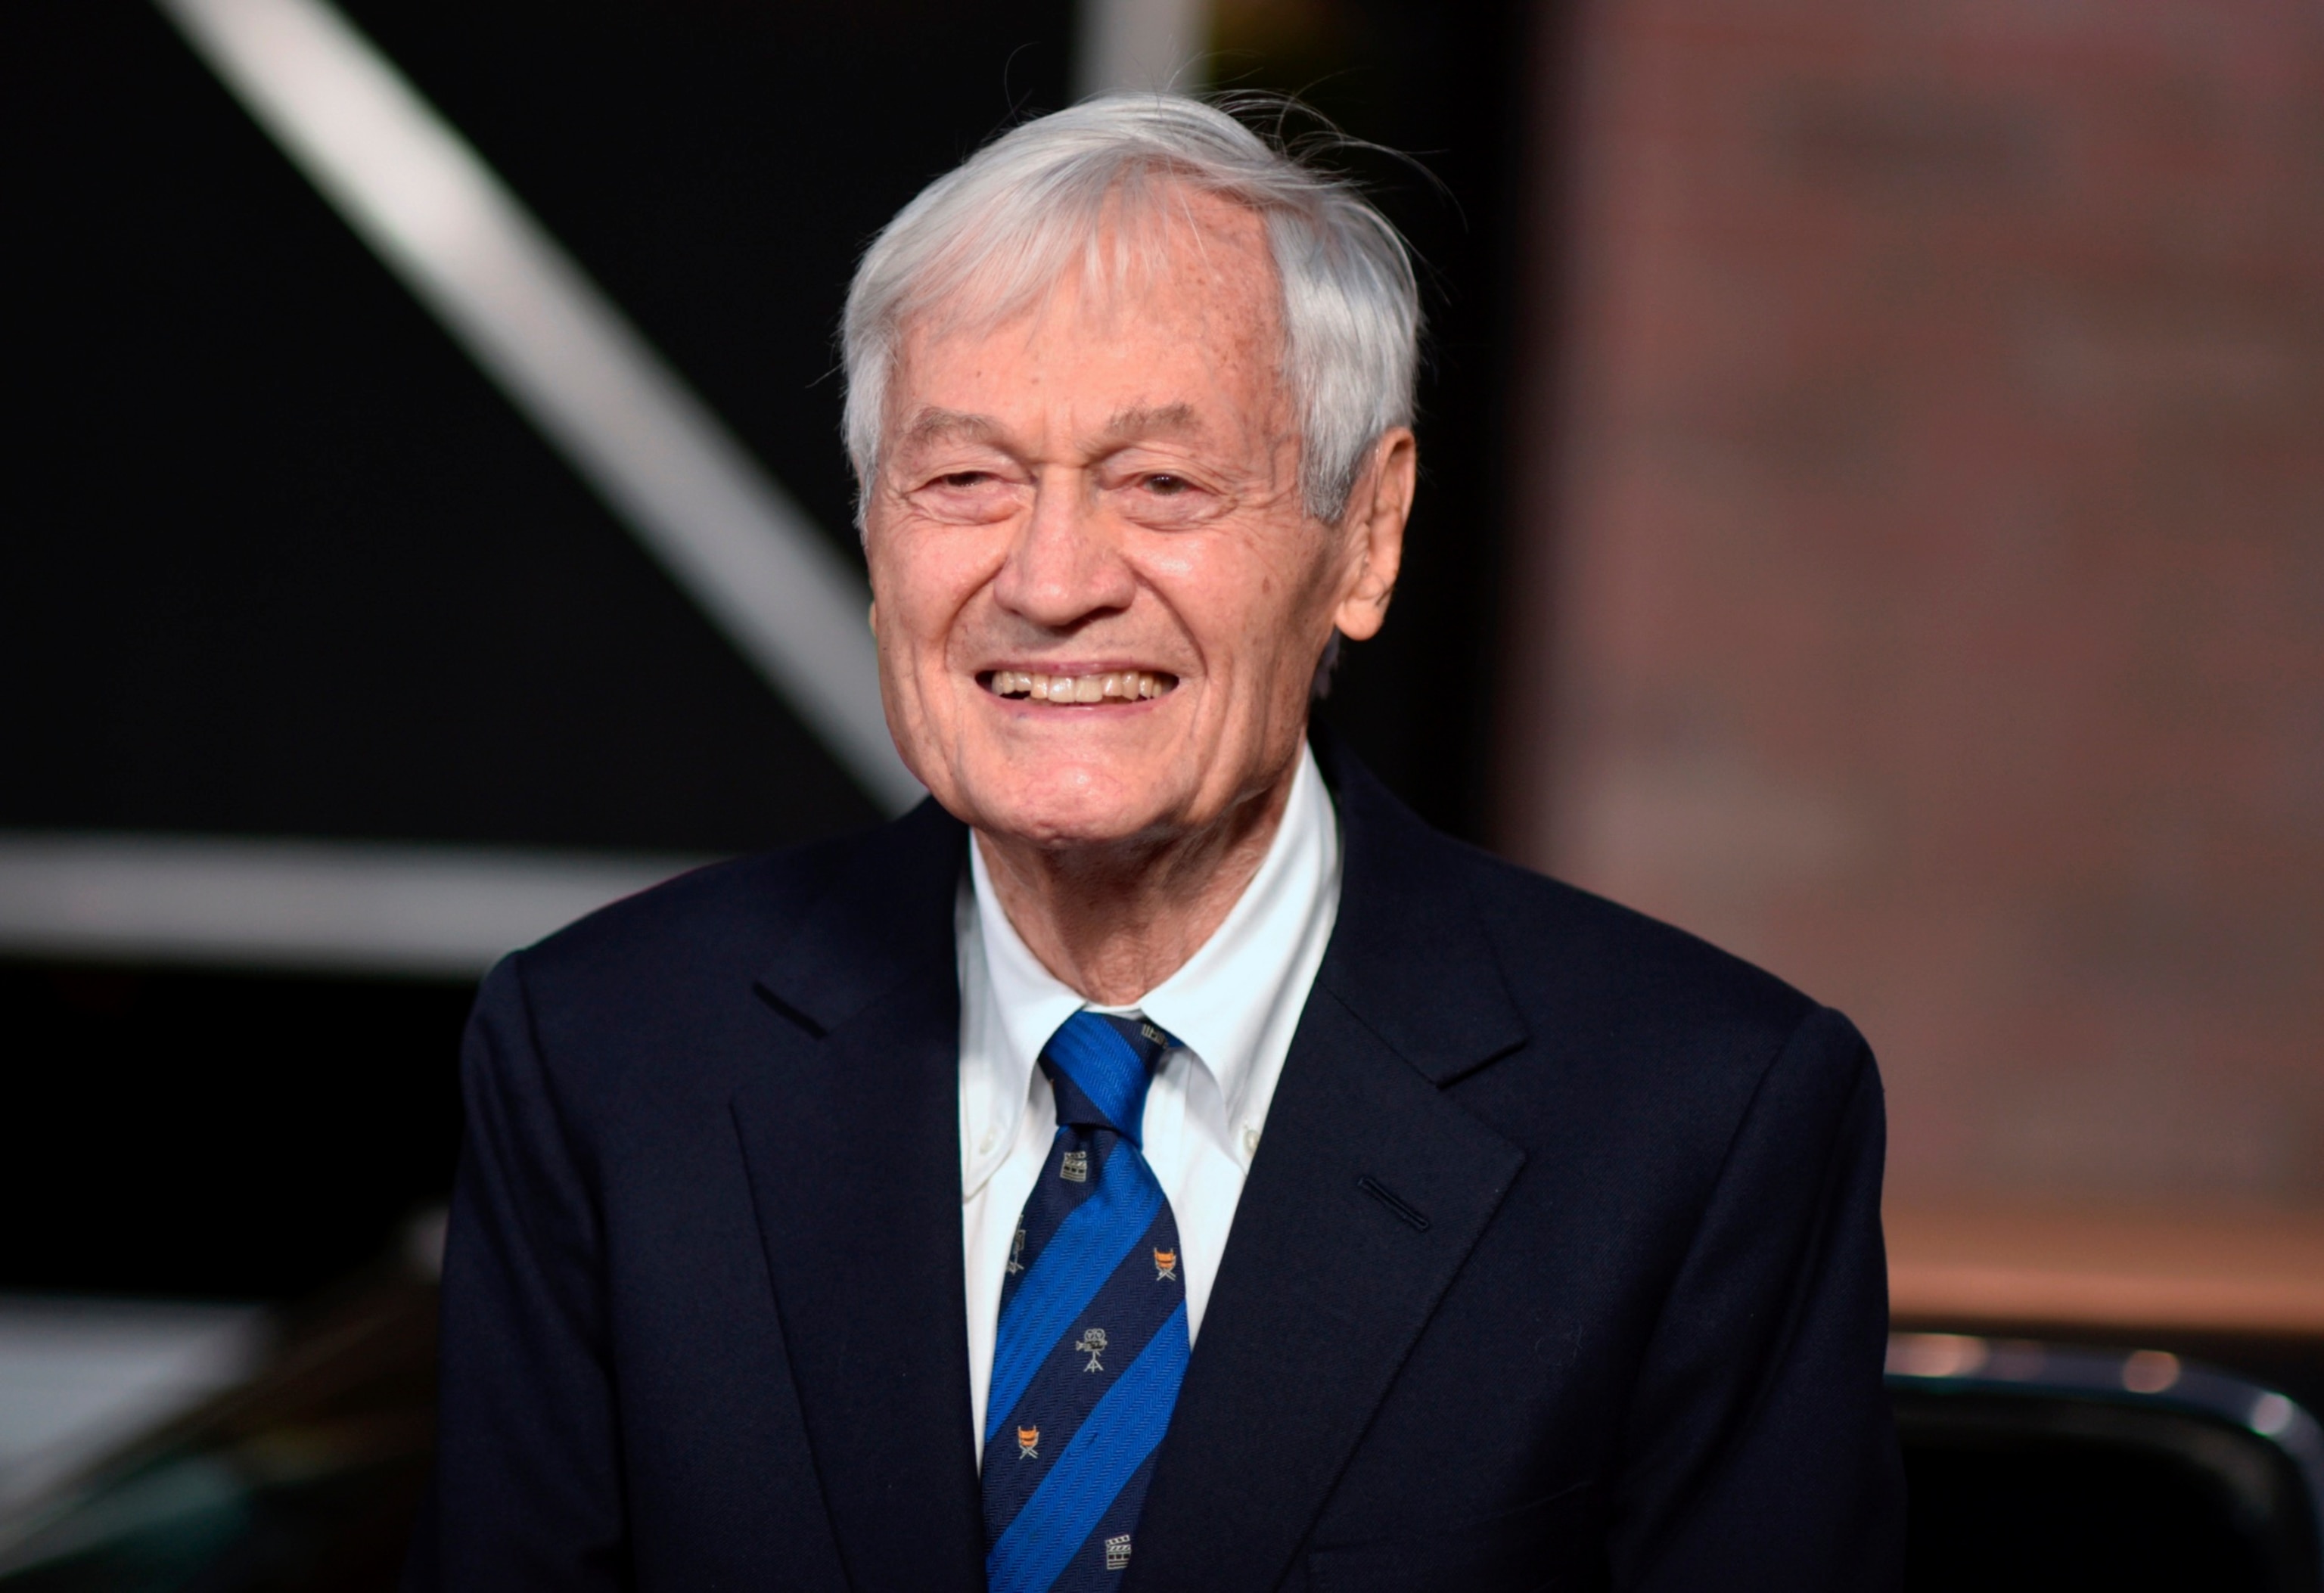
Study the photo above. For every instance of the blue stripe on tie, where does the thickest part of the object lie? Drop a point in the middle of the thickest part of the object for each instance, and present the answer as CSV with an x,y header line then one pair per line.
x,y
1106,1067
1072,1268
1125,1428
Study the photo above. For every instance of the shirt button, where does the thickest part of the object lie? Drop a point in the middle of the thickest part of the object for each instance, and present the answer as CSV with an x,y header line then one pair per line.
x,y
985,1144
1249,1140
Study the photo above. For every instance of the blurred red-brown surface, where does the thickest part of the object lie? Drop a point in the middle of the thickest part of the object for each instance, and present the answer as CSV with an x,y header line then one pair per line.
x,y
1923,591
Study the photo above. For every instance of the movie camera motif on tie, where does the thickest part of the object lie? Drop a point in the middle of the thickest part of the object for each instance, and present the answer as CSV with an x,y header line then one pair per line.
x,y
1093,1344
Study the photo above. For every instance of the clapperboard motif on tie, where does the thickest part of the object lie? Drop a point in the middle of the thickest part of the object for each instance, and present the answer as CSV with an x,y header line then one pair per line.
x,y
1089,1352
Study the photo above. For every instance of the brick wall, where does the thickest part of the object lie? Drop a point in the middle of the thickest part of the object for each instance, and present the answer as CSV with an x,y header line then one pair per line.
x,y
1924,581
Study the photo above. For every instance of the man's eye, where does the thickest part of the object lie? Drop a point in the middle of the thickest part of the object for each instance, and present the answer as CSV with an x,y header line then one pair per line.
x,y
963,478
1168,486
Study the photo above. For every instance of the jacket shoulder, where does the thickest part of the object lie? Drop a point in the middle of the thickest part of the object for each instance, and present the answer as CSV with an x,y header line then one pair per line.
x,y
1600,992
716,910
1561,944
665,996
849,895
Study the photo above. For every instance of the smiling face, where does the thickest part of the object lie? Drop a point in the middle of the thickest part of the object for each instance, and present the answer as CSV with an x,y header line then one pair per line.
x,y
1100,597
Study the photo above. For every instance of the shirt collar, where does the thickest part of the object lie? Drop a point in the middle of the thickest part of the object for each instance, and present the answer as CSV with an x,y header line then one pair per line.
x,y
1218,1004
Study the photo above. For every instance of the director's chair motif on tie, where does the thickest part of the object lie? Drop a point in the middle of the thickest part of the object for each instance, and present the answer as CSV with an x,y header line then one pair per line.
x,y
1093,1344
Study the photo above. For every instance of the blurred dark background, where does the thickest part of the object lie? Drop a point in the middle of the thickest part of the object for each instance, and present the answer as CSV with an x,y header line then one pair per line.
x,y
281,561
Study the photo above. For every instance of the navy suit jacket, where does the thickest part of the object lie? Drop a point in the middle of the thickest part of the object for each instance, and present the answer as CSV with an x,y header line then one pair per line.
x,y
1559,1266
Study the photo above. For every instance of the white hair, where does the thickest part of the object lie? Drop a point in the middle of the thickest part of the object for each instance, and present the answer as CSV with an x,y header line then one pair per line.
x,y
989,238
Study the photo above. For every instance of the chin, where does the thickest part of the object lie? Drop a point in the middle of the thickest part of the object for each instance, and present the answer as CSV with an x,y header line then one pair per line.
x,y
1065,808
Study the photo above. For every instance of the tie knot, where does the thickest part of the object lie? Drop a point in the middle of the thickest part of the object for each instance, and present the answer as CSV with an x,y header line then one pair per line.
x,y
1099,1066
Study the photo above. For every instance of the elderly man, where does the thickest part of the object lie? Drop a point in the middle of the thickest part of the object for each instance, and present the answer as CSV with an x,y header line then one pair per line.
x,y
1158,1161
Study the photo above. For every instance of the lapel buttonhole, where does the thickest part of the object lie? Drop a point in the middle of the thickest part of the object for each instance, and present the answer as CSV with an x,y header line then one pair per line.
x,y
778,1004
1409,1215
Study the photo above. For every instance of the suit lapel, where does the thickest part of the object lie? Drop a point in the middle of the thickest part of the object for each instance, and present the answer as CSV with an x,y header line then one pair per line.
x,y
852,1148
1370,1191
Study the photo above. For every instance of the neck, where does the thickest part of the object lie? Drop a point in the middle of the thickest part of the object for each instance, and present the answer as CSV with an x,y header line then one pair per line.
x,y
1114,921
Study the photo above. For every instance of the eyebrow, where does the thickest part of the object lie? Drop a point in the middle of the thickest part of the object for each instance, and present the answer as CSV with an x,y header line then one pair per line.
x,y
1130,424
933,426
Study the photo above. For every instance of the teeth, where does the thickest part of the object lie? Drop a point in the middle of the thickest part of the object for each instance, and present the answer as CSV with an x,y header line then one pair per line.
x,y
1126,686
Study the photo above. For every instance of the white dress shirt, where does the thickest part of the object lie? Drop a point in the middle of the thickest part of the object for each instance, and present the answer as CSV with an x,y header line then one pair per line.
x,y
1232,1010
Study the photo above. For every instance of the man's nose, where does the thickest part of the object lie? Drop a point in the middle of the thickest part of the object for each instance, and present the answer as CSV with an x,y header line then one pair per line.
x,y
1066,564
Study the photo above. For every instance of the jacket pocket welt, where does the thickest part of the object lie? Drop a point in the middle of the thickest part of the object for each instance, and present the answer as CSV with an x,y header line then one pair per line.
x,y
1546,1543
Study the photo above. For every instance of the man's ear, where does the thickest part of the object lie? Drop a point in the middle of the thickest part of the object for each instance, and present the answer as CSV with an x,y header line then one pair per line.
x,y
1377,511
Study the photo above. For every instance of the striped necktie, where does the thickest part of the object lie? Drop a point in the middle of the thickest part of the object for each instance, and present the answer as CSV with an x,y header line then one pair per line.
x,y
1091,1345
